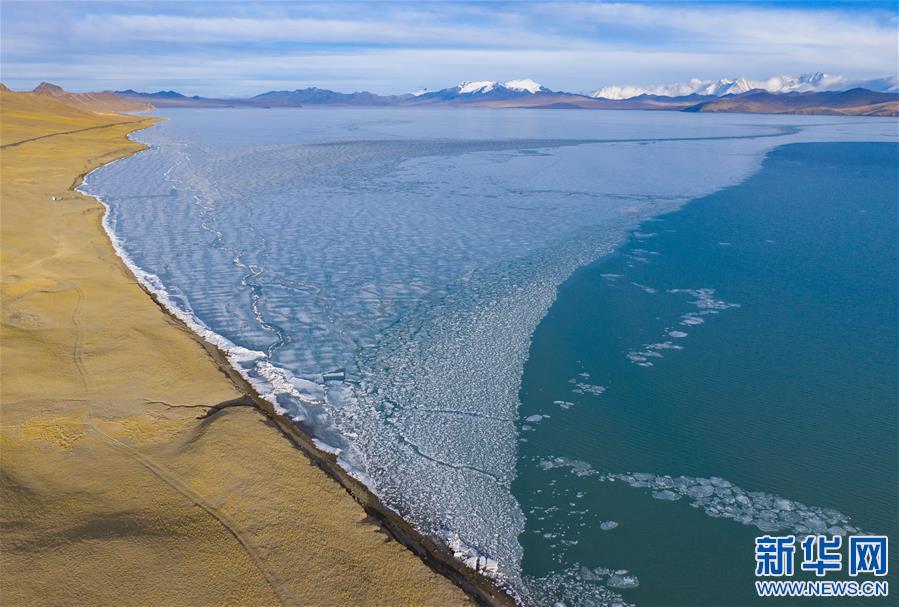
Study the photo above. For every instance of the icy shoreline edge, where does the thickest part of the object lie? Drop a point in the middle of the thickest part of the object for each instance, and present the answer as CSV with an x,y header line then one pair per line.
x,y
435,554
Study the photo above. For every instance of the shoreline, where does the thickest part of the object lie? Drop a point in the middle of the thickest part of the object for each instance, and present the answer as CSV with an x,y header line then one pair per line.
x,y
435,555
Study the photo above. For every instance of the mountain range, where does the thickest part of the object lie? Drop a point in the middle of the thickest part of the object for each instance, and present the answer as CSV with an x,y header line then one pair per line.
x,y
98,102
816,82
855,102
808,94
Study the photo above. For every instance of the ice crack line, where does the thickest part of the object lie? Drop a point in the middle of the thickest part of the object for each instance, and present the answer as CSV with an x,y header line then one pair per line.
x,y
418,451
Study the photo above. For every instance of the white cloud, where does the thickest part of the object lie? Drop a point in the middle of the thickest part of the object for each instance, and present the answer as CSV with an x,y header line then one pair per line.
x,y
235,49
382,71
742,25
407,29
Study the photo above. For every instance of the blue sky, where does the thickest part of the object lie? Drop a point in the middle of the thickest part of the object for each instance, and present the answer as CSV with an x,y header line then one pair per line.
x,y
239,48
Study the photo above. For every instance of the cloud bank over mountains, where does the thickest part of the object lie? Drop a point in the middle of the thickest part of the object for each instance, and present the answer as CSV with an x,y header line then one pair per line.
x,y
229,49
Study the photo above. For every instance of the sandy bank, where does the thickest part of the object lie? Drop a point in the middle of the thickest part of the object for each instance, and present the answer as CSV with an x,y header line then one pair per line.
x,y
116,487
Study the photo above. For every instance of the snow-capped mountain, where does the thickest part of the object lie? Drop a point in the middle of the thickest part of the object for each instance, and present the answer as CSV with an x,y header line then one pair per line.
x,y
481,87
817,81
480,91
724,86
525,85
816,93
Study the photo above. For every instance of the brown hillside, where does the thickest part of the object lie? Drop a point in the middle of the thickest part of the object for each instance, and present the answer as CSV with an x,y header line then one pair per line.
x,y
26,116
95,102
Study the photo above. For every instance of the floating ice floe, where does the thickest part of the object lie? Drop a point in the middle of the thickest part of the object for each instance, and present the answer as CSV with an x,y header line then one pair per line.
x,y
563,404
720,498
622,581
691,318
581,387
644,288
535,418
667,495
641,357
663,345
707,303
580,585
608,525
578,467
619,578
705,299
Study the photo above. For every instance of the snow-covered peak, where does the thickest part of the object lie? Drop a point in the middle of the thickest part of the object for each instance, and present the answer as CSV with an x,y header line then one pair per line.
x,y
480,86
740,85
485,86
524,85
784,83
623,92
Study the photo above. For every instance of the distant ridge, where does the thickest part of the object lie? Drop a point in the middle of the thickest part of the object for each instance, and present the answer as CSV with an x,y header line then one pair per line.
x,y
317,96
162,99
854,102
523,93
96,102
156,95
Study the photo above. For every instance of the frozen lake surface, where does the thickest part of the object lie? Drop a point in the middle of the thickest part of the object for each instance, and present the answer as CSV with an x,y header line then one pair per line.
x,y
378,274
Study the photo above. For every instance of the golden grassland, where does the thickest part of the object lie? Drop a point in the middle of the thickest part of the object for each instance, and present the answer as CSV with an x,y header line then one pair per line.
x,y
115,489
26,116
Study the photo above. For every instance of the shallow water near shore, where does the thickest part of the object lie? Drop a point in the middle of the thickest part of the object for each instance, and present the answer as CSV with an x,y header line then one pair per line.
x,y
378,273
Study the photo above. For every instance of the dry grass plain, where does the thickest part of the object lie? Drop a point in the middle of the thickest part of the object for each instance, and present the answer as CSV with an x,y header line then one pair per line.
x,y
114,489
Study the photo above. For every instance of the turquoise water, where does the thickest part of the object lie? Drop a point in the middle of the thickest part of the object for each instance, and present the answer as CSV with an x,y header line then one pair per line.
x,y
788,386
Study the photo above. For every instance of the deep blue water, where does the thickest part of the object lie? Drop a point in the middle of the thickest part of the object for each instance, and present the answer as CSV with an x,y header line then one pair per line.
x,y
788,388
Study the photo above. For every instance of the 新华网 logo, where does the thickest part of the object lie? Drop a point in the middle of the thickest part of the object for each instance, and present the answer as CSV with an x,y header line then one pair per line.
x,y
865,555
